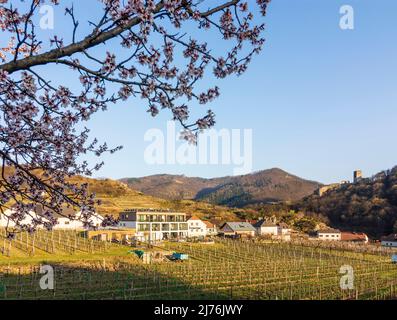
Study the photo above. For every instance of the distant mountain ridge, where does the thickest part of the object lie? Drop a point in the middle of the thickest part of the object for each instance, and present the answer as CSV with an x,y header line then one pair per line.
x,y
265,186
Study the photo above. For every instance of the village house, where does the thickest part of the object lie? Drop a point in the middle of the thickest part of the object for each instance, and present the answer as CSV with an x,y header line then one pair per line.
x,y
155,224
238,229
69,219
197,228
284,228
200,228
270,227
354,237
266,227
329,234
211,228
389,241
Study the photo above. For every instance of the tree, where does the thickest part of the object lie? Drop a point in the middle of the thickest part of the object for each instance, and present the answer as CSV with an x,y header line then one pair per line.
x,y
305,225
40,142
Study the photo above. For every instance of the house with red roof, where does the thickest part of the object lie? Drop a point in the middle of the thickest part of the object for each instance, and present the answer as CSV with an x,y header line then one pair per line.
x,y
354,237
211,228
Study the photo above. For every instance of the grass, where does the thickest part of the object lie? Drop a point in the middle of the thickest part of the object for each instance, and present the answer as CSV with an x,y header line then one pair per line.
x,y
40,257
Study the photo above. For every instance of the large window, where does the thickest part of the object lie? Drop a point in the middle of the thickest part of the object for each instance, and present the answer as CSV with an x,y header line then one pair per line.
x,y
165,227
143,227
183,226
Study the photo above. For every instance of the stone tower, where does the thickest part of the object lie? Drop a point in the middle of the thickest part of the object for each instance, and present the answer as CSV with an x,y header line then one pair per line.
x,y
357,176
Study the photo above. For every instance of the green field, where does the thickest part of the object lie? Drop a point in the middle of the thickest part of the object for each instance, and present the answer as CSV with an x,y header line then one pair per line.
x,y
228,269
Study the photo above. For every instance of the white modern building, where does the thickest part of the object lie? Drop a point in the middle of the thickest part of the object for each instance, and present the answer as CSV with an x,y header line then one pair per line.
x,y
155,225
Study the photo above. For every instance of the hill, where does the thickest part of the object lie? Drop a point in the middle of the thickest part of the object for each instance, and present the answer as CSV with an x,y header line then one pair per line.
x,y
116,196
171,187
369,205
265,186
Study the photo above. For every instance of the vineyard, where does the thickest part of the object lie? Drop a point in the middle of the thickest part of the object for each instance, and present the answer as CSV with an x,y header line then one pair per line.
x,y
225,270
54,242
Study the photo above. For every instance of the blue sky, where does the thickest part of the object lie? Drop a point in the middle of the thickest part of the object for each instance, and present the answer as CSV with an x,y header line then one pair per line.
x,y
321,101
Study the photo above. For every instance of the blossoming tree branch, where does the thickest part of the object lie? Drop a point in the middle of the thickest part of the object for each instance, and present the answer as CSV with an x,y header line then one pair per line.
x,y
40,141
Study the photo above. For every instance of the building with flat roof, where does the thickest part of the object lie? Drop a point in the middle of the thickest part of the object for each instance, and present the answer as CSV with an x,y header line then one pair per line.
x,y
155,224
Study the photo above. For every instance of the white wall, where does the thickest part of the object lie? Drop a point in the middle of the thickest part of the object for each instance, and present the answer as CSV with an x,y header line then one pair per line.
x,y
127,224
285,231
389,243
268,231
197,228
329,236
65,223
212,231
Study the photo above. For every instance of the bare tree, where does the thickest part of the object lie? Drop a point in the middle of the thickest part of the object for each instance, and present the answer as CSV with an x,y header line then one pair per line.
x,y
40,144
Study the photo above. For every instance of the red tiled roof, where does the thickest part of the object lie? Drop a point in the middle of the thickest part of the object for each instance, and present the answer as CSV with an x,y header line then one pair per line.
x,y
353,236
194,218
209,224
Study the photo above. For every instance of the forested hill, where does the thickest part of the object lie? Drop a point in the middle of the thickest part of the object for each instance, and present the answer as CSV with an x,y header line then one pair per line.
x,y
369,205
264,186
